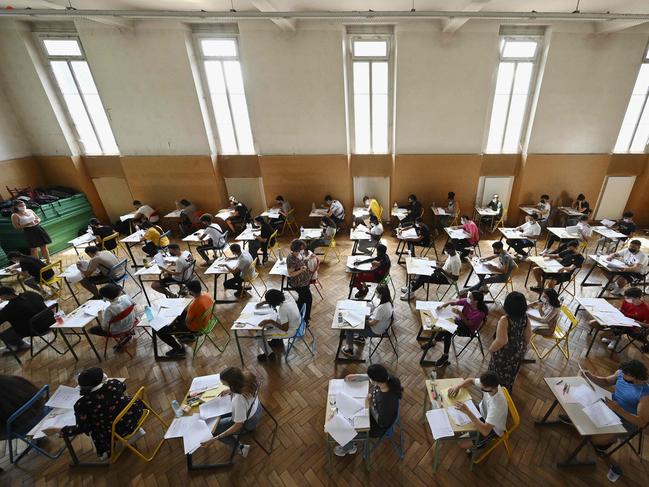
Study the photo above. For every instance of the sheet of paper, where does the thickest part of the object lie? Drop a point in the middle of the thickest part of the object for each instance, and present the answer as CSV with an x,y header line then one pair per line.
x,y
72,274
439,423
356,388
65,397
427,305
216,407
410,233
462,396
254,319
205,382
179,425
196,433
335,386
351,304
171,312
601,415
340,429
92,308
354,318
56,422
159,322
600,391
349,406
461,419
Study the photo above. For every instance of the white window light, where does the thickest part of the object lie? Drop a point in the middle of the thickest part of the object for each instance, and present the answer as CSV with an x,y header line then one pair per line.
x,y
227,95
80,95
371,90
514,85
634,132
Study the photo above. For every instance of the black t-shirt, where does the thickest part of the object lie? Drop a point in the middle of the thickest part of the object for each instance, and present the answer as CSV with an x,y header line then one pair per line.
x,y
33,267
242,210
266,232
627,228
567,259
424,232
384,264
103,232
21,309
383,410
415,209
585,207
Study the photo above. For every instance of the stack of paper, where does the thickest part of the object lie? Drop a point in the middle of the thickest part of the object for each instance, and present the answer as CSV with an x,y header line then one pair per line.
x,y
204,382
56,422
349,406
356,388
218,406
410,233
354,318
353,304
65,397
422,267
340,429
457,234
461,419
192,429
439,423
601,415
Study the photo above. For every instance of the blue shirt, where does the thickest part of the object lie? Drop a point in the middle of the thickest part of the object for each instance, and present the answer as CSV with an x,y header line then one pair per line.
x,y
628,395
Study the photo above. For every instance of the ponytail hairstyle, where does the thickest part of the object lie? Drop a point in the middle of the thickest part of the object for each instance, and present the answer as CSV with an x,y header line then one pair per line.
x,y
479,299
240,382
378,373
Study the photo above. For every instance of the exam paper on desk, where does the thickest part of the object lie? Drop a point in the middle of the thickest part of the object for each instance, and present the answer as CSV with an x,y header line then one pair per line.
x,y
439,423
340,429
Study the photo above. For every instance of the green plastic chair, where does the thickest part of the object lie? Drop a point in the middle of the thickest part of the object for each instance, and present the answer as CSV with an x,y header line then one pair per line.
x,y
205,333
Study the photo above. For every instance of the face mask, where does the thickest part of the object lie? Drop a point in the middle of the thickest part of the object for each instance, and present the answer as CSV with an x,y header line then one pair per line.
x,y
634,251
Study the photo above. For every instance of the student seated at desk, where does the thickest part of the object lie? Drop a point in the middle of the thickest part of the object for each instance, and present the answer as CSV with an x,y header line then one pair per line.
x,y
493,409
329,229
16,391
502,269
102,400
192,320
246,409
118,318
380,268
214,237
581,205
451,204
30,269
584,232
423,239
189,216
154,238
101,232
240,215
374,209
376,232
495,205
443,274
415,210
299,275
626,225
549,308
335,210
244,269
465,245
287,322
531,231
468,321
262,240
284,208
385,393
181,271
570,260
543,209
97,269
144,213
635,262
376,323
18,312
630,401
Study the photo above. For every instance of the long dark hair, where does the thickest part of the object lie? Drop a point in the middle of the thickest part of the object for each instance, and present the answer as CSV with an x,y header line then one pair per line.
x,y
384,293
378,373
479,299
553,297
515,305
240,381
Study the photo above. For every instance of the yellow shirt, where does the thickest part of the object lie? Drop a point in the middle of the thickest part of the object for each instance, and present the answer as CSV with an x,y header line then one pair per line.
x,y
375,209
153,235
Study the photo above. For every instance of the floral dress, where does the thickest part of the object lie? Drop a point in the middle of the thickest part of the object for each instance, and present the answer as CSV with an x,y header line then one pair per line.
x,y
96,411
506,361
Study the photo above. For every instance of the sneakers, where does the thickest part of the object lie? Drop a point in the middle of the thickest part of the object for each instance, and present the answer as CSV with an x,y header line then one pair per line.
x,y
359,339
244,450
262,357
340,452
612,345
428,345
139,434
348,351
405,289
442,361
180,353
606,340
406,297
362,293
614,473
20,345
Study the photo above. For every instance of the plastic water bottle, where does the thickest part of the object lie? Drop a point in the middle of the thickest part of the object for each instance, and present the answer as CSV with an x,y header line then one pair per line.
x,y
433,374
301,231
178,412
148,312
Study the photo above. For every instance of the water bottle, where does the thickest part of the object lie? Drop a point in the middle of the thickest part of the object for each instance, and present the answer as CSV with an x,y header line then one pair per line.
x,y
433,374
178,412
301,231
58,317
148,312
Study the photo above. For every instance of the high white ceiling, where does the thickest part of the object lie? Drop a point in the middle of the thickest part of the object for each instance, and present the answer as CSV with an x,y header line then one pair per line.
x,y
617,6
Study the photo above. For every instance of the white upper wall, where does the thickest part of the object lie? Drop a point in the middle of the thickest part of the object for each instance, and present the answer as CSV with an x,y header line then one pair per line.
x,y
444,86
585,90
12,139
145,82
24,90
294,88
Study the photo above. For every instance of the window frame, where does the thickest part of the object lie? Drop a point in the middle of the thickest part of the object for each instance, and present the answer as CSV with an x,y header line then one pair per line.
x,y
644,60
201,58
535,60
389,57
68,58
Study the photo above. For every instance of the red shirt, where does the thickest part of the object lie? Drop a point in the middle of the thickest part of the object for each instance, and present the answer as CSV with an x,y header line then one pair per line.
x,y
639,312
472,229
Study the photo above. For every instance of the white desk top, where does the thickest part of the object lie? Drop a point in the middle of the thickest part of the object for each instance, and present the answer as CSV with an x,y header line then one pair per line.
x,y
614,265
399,213
249,234
608,232
361,212
360,308
439,211
511,233
485,211
318,213
605,313
271,213
135,237
218,266
225,214
361,422
456,233
530,210
194,237
82,240
562,233
128,216
566,210
174,214
546,264
351,259
154,270
80,317
250,317
310,233
279,268
419,266
10,270
481,267
359,234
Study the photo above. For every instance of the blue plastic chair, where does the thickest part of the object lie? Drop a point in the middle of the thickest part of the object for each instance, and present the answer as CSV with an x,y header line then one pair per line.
x,y
11,434
299,334
389,436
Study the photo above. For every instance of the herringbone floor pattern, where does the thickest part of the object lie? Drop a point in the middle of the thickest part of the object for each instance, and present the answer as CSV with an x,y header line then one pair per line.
x,y
295,393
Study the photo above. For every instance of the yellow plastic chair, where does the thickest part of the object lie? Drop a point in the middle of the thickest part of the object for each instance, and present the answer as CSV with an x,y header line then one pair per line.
x,y
456,217
255,275
124,440
504,439
289,222
561,336
273,245
54,282
331,248
112,237
583,245
501,221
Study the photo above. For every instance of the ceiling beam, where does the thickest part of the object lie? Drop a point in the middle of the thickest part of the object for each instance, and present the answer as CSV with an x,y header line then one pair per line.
x,y
454,24
610,26
287,25
106,20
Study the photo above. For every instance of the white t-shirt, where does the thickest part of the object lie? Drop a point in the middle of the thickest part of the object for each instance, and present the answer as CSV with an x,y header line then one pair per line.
x,y
377,230
116,307
531,229
383,314
148,212
288,312
240,406
634,259
494,409
337,209
453,265
545,209
214,233
244,264
584,230
183,266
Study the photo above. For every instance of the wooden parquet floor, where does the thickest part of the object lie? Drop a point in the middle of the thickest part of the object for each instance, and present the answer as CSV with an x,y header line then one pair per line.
x,y
296,394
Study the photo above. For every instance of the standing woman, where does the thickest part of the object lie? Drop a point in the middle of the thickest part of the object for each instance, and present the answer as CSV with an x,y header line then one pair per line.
x,y
36,236
513,335
299,276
